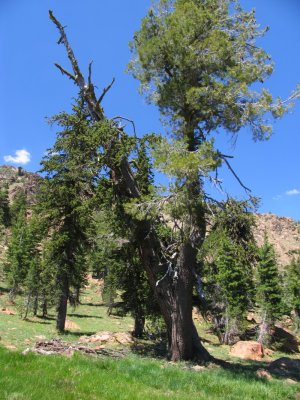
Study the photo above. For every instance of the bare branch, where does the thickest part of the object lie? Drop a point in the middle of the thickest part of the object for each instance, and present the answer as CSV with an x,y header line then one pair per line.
x,y
224,158
63,39
87,89
90,73
105,90
65,72
126,119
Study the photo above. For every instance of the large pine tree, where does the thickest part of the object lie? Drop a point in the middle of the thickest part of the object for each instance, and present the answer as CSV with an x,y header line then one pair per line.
x,y
200,61
70,169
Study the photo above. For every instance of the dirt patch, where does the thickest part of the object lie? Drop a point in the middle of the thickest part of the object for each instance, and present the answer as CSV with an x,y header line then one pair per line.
x,y
70,325
108,337
9,346
7,311
58,347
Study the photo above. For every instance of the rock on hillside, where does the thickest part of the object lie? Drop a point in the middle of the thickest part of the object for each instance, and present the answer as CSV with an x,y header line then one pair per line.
x,y
283,233
17,179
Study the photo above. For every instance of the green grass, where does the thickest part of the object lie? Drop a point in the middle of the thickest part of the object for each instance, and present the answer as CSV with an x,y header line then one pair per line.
x,y
90,317
33,377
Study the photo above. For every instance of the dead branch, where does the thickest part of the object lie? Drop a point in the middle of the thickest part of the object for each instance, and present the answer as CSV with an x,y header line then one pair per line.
x,y
65,72
126,119
90,73
105,90
86,89
63,39
224,158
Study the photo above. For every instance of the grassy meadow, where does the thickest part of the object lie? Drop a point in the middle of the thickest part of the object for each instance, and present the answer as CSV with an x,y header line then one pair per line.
x,y
136,376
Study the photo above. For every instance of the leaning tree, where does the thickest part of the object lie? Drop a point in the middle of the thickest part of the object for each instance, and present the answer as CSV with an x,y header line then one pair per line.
x,y
199,61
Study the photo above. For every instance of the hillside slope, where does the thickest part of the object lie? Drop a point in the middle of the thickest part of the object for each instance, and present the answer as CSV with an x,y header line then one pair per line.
x,y
17,179
283,233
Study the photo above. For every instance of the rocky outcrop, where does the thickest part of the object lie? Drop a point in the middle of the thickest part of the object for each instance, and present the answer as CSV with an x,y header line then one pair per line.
x,y
17,179
282,232
247,350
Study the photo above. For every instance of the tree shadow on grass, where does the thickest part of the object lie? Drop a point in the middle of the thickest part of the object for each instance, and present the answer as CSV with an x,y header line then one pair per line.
x,y
33,321
47,318
150,349
84,316
283,368
78,333
93,304
4,290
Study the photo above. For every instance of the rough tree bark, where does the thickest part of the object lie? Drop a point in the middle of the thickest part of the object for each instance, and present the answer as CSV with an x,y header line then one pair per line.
x,y
62,305
174,291
139,325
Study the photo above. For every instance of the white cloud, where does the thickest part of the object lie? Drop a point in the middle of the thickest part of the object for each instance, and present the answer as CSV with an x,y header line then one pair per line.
x,y
21,157
292,192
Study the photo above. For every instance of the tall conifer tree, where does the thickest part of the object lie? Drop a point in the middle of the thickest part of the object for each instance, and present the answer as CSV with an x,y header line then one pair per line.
x,y
269,293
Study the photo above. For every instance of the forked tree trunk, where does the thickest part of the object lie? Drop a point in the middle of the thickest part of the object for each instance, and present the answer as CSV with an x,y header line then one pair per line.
x,y
62,303
174,292
174,296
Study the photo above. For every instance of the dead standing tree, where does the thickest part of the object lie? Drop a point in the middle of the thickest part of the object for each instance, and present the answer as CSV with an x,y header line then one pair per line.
x,y
174,290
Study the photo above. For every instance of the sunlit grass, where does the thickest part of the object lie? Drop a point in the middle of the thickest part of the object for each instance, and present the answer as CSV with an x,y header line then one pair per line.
x,y
33,377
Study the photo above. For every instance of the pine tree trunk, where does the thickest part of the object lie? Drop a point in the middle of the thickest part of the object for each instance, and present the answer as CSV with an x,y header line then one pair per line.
x,y
44,307
297,319
139,325
174,296
27,306
264,328
185,343
226,335
62,303
35,305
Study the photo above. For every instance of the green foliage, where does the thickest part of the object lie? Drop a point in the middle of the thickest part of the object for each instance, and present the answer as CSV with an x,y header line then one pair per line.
x,y
229,255
269,293
197,60
18,207
293,289
4,208
233,280
71,168
175,160
114,252
21,245
24,266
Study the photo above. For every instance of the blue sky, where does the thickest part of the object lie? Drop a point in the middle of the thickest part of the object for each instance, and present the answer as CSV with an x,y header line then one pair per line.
x,y
32,88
